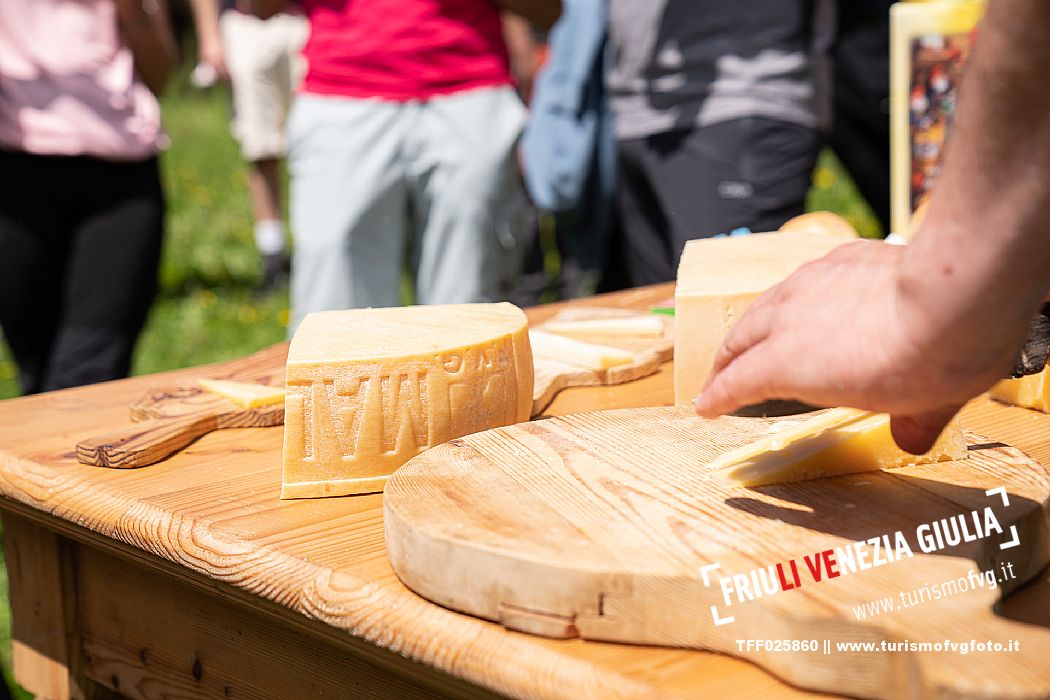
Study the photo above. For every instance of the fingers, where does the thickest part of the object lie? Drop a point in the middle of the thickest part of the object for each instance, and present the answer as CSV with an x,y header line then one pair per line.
x,y
753,327
719,394
746,380
792,318
916,434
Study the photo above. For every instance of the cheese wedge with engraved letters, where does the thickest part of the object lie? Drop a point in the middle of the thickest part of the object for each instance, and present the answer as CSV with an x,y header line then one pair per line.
x,y
838,441
718,278
577,352
368,389
243,394
1032,391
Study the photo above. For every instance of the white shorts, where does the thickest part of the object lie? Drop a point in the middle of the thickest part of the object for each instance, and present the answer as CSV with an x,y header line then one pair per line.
x,y
378,186
265,61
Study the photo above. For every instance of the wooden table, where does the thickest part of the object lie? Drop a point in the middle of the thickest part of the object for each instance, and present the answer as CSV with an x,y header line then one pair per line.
x,y
190,578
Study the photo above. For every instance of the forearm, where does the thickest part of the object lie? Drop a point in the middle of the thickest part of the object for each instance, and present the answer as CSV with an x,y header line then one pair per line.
x,y
541,13
521,49
265,9
206,22
147,32
982,255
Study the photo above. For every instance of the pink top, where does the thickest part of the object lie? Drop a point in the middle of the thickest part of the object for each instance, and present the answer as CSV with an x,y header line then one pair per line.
x,y
67,83
403,49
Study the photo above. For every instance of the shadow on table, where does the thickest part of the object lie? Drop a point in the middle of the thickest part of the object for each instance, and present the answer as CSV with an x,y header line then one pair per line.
x,y
867,505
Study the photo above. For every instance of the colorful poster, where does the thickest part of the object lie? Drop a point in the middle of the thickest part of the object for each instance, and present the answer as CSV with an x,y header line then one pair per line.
x,y
930,43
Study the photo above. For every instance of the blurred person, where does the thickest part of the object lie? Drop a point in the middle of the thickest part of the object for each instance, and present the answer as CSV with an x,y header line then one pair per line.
x,y
401,152
263,62
81,207
716,123
568,154
860,128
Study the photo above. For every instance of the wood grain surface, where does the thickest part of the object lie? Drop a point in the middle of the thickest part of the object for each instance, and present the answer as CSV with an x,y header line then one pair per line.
x,y
602,524
39,647
168,419
211,517
552,376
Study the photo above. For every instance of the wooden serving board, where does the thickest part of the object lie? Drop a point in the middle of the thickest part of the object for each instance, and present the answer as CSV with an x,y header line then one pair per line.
x,y
167,420
649,353
605,526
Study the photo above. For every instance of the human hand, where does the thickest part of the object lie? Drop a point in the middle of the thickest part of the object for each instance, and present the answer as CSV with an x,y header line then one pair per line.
x,y
210,53
845,331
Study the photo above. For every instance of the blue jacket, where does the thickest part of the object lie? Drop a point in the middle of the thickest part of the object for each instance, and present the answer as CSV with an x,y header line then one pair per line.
x,y
568,147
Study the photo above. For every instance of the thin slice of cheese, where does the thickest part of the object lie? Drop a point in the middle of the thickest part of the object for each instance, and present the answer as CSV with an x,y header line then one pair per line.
x,y
838,441
243,394
718,278
1032,391
630,326
577,352
368,389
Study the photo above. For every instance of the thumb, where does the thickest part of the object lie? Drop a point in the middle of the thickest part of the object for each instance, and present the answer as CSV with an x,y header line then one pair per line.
x,y
917,433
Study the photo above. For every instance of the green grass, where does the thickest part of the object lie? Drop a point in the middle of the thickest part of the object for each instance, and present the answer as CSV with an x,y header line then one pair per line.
x,y
8,373
834,190
206,310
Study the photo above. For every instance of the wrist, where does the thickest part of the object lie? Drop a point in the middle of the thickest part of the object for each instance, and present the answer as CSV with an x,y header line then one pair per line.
x,y
961,307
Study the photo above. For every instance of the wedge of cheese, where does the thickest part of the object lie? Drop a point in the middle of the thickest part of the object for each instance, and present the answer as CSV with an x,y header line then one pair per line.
x,y
577,352
243,393
718,278
838,441
1032,391
641,326
369,389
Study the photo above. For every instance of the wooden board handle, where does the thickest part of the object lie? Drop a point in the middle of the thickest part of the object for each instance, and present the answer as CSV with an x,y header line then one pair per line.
x,y
146,442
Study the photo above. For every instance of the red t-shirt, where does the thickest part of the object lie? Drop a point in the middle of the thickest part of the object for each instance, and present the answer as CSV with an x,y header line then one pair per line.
x,y
403,49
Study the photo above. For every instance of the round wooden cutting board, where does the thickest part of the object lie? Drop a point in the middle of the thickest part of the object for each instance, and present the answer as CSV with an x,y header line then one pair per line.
x,y
605,526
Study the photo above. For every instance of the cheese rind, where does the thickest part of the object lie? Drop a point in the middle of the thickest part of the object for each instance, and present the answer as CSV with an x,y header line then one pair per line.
x,y
633,326
718,279
368,389
243,394
577,352
821,223
1032,391
838,441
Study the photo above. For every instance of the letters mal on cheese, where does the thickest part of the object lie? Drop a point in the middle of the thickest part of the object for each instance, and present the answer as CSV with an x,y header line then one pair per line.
x,y
371,410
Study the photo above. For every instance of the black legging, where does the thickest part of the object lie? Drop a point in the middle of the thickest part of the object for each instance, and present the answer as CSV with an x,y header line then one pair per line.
x,y
80,241
860,133
698,182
